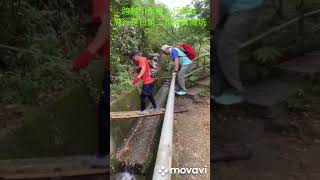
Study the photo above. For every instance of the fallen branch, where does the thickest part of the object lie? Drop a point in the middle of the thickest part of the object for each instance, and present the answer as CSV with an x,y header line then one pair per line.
x,y
277,28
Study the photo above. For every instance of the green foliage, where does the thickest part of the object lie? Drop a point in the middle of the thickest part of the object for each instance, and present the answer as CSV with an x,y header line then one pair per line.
x,y
148,40
290,41
51,30
193,78
266,55
122,81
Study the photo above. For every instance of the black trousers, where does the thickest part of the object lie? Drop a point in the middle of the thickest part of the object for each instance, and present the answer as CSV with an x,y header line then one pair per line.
x,y
147,93
104,117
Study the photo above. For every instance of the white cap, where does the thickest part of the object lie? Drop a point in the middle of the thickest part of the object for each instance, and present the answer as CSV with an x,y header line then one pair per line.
x,y
164,47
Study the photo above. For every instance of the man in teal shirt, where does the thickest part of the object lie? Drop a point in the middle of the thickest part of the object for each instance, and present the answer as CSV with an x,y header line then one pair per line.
x,y
237,6
235,19
182,66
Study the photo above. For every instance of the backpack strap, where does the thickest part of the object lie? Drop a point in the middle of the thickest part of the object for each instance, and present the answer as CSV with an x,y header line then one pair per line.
x,y
177,49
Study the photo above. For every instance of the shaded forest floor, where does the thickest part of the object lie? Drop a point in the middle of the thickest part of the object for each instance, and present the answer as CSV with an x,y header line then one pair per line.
x,y
277,155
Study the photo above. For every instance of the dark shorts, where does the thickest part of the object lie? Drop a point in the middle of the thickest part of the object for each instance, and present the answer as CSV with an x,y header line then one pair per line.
x,y
147,89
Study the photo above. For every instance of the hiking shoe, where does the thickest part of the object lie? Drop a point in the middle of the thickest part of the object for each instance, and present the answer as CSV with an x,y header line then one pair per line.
x,y
154,110
228,99
141,112
181,93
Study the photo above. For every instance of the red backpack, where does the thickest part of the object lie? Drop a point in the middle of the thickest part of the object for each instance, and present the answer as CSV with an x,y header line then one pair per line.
x,y
186,48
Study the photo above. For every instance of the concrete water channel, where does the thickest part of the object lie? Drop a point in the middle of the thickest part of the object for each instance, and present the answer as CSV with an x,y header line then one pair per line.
x,y
67,129
134,141
54,137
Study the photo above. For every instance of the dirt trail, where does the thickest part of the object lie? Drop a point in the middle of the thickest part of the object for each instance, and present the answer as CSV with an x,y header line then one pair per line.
x,y
192,137
276,156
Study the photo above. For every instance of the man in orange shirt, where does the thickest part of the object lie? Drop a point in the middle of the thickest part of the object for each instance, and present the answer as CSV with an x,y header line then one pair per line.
x,y
148,81
100,45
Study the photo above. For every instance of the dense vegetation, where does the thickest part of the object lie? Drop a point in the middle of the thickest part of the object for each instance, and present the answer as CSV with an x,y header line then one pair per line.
x,y
149,39
46,34
283,44
289,41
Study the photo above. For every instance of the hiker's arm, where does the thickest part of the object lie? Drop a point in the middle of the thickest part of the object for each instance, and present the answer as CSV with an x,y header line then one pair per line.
x,y
99,41
176,62
101,37
143,69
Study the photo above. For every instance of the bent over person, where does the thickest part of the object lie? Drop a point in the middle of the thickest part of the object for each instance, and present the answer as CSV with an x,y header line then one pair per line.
x,y
182,67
